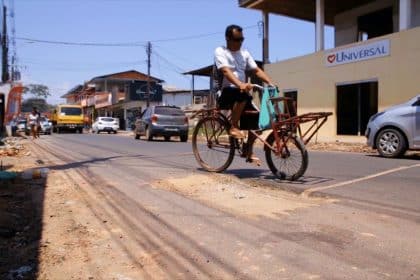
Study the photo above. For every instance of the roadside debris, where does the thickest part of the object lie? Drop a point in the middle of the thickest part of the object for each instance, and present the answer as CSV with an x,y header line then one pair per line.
x,y
11,146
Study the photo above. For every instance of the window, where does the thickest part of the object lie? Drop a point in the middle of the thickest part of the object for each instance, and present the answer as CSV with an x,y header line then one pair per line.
x,y
291,104
70,111
198,99
171,111
375,24
356,103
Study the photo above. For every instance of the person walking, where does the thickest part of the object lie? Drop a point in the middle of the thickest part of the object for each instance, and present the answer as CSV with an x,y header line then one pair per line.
x,y
33,120
232,61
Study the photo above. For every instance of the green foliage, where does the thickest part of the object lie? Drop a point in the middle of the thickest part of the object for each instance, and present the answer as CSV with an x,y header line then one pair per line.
x,y
37,90
39,103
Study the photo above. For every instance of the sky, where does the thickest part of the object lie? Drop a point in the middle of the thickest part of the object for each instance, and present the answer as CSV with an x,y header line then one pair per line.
x,y
63,43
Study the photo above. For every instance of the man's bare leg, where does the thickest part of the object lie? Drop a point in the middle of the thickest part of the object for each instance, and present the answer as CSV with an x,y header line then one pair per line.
x,y
250,157
237,109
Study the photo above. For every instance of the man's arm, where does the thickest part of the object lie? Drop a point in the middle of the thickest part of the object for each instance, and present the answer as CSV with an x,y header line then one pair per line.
x,y
263,76
244,87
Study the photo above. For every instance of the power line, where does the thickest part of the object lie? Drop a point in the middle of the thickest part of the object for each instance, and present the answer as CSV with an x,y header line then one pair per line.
x,y
123,44
129,44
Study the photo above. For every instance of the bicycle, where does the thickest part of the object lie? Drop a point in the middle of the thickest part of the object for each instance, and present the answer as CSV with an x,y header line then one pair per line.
x,y
285,150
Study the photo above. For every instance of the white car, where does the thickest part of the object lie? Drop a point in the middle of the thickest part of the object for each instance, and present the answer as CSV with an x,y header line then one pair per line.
x,y
106,124
45,125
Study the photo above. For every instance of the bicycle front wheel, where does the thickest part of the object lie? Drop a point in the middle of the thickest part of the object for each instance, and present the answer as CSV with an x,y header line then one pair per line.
x,y
291,162
212,146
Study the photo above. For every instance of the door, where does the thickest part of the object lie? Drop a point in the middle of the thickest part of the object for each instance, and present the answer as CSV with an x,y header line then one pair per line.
x,y
355,104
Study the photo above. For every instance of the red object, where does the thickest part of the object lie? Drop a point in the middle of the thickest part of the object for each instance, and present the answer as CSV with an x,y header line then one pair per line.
x,y
14,102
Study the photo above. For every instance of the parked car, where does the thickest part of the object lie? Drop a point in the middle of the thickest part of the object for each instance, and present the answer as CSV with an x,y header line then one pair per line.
x,y
45,125
166,121
22,126
106,124
396,129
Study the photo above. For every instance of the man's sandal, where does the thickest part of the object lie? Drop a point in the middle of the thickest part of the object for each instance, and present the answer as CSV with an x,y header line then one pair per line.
x,y
254,160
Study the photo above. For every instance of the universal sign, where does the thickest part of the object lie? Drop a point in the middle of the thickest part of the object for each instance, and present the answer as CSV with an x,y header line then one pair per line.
x,y
359,53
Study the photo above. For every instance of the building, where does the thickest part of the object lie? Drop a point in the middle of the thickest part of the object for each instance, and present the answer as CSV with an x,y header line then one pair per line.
x,y
122,95
374,64
176,97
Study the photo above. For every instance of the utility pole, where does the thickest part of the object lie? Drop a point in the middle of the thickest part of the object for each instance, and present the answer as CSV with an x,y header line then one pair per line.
x,y
149,52
5,50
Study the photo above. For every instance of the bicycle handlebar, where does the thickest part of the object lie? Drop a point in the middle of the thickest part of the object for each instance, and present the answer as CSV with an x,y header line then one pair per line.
x,y
261,87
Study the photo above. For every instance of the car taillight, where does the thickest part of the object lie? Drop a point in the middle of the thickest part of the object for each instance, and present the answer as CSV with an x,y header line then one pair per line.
x,y
154,119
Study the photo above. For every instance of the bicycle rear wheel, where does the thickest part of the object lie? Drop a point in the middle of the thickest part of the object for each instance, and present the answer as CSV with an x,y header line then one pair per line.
x,y
292,162
212,146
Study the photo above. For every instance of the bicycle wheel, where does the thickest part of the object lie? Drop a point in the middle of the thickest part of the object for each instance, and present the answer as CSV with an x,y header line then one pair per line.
x,y
291,162
212,146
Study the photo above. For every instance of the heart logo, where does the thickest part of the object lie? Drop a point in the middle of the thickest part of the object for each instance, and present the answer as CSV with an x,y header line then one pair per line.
x,y
331,58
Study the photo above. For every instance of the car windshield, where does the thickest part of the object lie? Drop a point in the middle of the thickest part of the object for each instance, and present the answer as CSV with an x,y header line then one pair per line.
x,y
172,111
107,119
70,111
43,119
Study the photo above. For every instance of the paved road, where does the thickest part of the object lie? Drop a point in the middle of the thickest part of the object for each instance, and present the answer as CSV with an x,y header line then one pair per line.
x,y
368,233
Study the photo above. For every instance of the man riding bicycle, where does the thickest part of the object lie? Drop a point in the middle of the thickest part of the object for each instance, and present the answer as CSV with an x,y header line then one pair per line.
x,y
232,61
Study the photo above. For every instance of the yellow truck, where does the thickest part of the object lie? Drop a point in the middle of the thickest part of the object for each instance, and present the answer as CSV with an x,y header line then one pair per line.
x,y
67,117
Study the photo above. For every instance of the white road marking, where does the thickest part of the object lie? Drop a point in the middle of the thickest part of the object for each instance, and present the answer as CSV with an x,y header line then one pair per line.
x,y
310,191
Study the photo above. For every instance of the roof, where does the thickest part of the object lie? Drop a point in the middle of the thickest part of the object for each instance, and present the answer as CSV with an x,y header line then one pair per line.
x,y
127,75
205,71
303,9
72,91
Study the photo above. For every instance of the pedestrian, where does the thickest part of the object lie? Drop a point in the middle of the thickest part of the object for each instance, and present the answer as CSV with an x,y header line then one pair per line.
x,y
38,125
33,120
232,61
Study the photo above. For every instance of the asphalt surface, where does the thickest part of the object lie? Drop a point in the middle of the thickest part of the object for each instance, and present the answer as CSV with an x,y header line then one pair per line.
x,y
368,233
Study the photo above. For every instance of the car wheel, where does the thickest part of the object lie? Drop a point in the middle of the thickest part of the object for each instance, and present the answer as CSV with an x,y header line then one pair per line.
x,y
149,136
167,138
391,143
136,136
184,138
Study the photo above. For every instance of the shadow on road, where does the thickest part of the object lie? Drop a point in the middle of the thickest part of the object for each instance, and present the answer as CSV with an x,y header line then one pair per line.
x,y
408,156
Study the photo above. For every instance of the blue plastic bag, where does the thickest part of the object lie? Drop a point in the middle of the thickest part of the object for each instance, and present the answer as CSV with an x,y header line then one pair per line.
x,y
267,108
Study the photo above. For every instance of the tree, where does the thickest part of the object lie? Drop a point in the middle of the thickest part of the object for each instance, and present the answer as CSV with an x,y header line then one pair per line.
x,y
40,91
39,103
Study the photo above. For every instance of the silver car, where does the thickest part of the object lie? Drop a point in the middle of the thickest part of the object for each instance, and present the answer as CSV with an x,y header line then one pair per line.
x,y
397,129
166,121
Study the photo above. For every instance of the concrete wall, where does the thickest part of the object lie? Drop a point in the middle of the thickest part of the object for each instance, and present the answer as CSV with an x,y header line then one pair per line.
x,y
397,76
178,99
